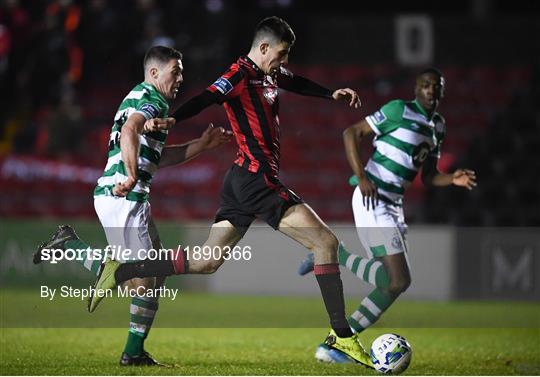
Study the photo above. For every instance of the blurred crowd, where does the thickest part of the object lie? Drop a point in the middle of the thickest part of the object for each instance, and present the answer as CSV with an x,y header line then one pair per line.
x,y
65,65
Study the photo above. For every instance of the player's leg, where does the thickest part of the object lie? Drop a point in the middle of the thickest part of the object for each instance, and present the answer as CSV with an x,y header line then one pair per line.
x,y
367,269
382,233
380,299
222,234
143,310
302,224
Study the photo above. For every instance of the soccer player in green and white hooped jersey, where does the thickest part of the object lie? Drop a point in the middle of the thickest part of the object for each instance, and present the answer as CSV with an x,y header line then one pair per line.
x,y
408,137
136,150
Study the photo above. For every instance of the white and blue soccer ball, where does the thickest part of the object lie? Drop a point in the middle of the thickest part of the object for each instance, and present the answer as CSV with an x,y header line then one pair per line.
x,y
391,353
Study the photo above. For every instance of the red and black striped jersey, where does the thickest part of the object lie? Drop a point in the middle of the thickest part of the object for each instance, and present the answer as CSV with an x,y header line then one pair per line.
x,y
251,101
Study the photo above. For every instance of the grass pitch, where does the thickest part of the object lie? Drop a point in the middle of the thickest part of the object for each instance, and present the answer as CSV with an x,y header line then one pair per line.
x,y
261,351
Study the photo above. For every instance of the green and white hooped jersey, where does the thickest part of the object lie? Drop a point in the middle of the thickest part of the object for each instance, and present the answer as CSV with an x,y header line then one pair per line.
x,y
147,101
405,137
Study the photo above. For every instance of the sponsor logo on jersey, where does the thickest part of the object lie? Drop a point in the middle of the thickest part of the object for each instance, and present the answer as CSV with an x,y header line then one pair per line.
x,y
270,94
149,109
223,85
378,117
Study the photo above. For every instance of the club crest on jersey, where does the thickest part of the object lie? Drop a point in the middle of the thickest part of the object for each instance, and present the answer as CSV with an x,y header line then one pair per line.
x,y
223,85
270,94
378,117
150,110
396,242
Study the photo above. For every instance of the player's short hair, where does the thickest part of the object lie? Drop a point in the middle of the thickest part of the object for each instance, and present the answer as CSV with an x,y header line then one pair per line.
x,y
161,54
274,28
431,70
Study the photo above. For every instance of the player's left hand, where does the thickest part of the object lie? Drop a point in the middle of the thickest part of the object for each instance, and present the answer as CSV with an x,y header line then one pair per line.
x,y
157,124
215,136
464,178
349,95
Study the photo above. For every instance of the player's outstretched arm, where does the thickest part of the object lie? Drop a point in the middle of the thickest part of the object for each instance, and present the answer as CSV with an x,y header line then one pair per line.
x,y
304,86
211,138
129,145
431,176
196,104
352,137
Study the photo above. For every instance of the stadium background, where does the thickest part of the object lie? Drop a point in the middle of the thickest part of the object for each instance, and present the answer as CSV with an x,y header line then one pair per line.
x,y
66,65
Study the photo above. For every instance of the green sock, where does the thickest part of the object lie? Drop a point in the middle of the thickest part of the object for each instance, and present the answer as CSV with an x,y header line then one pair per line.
x,y
343,255
143,310
369,270
134,344
91,264
370,309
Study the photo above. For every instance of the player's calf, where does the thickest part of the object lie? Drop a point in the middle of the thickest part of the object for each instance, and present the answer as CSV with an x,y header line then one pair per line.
x,y
398,285
398,272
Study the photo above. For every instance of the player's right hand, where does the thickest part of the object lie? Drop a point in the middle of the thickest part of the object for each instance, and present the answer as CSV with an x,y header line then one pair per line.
x,y
157,124
121,189
369,193
213,137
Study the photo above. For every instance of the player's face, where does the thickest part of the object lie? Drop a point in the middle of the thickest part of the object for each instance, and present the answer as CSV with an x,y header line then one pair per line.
x,y
276,55
429,91
170,77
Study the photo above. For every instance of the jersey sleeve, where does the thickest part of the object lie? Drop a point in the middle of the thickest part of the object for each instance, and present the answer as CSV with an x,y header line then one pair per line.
x,y
440,133
150,107
301,85
387,119
228,85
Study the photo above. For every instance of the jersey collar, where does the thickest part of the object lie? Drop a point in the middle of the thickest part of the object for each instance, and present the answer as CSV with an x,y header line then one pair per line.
x,y
421,109
250,64
152,88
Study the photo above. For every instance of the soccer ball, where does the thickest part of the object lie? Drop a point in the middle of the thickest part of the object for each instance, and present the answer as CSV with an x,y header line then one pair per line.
x,y
391,353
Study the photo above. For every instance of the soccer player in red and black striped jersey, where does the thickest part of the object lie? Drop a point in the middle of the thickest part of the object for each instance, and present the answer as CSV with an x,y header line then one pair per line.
x,y
248,91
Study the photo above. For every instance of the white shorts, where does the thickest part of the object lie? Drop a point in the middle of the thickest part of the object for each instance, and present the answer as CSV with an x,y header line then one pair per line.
x,y
382,231
128,226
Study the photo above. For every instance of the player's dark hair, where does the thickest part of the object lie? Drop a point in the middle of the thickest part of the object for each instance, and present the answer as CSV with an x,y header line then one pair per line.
x,y
162,54
276,28
432,70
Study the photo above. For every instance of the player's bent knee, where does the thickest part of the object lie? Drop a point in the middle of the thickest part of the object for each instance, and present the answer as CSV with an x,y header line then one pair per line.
x,y
398,286
327,242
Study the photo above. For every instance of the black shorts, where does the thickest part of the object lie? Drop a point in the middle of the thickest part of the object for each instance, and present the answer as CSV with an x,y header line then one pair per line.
x,y
246,195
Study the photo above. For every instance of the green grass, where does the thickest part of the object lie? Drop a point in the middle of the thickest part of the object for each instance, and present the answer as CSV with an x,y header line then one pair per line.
x,y
471,339
261,352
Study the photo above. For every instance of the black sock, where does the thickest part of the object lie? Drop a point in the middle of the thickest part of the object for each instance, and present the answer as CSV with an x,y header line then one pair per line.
x,y
329,281
175,263
143,269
